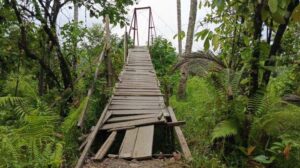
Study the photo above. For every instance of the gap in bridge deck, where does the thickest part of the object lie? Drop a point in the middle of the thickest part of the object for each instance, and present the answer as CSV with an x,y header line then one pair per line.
x,y
163,141
102,137
137,115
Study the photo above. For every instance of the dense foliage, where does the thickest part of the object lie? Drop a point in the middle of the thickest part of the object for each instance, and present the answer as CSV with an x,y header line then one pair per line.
x,y
242,98
45,72
164,57
242,103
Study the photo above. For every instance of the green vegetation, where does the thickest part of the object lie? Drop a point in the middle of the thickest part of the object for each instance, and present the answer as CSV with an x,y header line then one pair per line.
x,y
163,58
45,72
41,131
242,98
215,120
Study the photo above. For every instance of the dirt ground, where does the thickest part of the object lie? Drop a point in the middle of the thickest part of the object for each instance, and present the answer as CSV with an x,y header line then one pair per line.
x,y
121,163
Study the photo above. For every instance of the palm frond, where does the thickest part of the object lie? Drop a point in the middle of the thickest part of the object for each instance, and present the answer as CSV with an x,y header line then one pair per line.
x,y
255,102
10,101
225,129
207,60
278,123
72,118
57,156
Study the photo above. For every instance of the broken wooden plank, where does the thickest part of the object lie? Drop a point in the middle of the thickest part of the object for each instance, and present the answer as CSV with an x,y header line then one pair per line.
x,y
144,142
132,123
83,144
83,137
121,128
129,118
134,112
112,156
182,141
107,116
105,147
136,107
92,136
177,123
128,143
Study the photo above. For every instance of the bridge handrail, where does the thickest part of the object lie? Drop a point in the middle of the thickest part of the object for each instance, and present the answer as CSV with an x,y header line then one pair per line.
x,y
104,54
92,135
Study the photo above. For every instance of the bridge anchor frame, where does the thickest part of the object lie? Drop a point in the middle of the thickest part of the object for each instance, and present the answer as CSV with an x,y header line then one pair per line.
x,y
134,26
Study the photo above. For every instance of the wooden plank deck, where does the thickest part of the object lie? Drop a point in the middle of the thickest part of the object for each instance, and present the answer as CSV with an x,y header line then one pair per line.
x,y
136,106
144,142
128,143
137,103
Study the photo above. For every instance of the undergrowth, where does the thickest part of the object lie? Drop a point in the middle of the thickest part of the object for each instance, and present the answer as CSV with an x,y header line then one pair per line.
x,y
200,113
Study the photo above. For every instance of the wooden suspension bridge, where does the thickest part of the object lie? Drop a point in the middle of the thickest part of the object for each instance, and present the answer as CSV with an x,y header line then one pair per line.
x,y
134,110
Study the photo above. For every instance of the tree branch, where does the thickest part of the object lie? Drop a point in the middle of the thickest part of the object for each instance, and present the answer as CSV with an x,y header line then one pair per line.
x,y
23,45
271,61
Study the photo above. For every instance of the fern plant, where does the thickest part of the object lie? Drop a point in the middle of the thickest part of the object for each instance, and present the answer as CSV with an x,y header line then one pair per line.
x,y
225,129
27,131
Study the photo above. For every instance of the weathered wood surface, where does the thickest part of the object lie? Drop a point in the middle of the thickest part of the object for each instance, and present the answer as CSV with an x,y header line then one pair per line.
x,y
128,143
182,142
136,98
129,118
135,112
136,106
105,147
91,137
135,102
144,142
139,122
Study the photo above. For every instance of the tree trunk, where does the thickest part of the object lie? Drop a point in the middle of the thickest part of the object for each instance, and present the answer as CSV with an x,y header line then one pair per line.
x,y
23,44
254,71
179,27
51,32
41,85
254,74
188,48
3,67
64,66
44,44
107,56
276,44
74,59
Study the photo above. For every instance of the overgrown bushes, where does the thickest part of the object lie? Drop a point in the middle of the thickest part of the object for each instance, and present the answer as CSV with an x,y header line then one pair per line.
x,y
33,133
215,111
